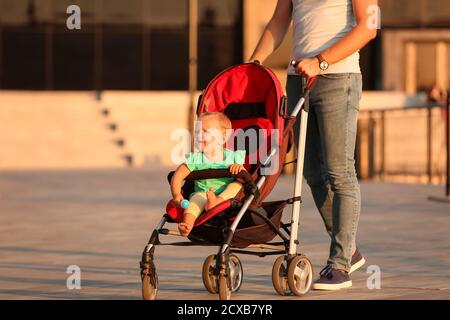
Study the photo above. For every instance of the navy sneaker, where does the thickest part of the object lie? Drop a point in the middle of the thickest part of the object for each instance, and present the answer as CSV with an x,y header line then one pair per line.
x,y
357,261
332,279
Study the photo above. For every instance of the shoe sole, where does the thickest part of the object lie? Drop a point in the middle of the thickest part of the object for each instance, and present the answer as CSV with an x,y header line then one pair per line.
x,y
357,265
332,287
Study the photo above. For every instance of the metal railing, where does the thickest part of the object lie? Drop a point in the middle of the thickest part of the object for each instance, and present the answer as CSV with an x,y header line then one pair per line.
x,y
403,145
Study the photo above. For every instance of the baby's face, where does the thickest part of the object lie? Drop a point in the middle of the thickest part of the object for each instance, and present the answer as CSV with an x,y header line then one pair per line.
x,y
210,134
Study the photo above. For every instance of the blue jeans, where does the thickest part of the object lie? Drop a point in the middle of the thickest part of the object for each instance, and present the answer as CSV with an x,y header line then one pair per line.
x,y
329,156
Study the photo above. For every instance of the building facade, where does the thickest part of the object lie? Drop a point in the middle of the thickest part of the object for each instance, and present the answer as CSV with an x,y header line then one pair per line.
x,y
124,45
144,45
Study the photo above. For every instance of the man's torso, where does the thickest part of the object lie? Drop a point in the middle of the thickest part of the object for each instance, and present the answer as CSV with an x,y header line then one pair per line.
x,y
319,24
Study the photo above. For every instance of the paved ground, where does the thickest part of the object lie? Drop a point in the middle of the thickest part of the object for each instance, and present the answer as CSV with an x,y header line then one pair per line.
x,y
101,220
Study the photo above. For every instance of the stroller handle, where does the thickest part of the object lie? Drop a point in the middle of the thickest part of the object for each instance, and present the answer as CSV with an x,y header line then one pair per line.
x,y
309,81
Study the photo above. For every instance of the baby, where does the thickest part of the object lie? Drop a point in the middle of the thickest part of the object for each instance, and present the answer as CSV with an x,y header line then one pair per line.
x,y
215,129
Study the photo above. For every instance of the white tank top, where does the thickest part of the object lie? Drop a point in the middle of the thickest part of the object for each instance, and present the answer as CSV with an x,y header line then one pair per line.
x,y
319,24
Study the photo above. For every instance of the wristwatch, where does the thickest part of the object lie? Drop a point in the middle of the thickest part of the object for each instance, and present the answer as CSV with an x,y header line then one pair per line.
x,y
323,64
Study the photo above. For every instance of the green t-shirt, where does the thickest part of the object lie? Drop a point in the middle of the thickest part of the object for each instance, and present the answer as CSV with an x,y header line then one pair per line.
x,y
198,161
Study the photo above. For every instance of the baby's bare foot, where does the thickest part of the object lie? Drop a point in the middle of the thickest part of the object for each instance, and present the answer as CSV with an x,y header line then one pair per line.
x,y
213,200
184,228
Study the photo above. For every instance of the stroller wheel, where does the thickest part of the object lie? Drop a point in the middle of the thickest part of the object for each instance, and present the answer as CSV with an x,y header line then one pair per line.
x,y
149,286
209,276
300,275
236,273
280,276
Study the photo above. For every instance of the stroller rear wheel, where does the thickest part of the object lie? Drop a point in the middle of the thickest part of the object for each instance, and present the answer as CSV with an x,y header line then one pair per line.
x,y
280,276
149,286
300,275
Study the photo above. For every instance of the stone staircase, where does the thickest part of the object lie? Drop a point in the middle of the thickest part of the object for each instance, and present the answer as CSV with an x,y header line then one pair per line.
x,y
145,122
55,130
70,130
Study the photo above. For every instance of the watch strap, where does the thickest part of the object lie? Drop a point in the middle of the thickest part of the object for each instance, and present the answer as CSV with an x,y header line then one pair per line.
x,y
321,61
320,58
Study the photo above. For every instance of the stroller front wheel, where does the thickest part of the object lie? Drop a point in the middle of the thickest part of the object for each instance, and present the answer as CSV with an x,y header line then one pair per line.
x,y
209,275
236,273
280,276
300,275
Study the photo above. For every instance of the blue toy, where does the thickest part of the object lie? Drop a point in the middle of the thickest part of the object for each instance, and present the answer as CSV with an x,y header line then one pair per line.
x,y
185,204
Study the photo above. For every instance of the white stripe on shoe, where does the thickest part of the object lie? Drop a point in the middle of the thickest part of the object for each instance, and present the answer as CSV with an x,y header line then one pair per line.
x,y
357,265
332,287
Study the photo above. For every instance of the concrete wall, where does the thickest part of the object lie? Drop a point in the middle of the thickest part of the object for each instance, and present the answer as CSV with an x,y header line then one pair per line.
x,y
67,130
44,130
416,59
402,145
146,121
54,130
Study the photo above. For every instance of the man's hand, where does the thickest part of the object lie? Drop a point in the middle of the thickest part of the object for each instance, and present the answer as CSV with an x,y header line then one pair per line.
x,y
308,68
177,200
236,168
254,61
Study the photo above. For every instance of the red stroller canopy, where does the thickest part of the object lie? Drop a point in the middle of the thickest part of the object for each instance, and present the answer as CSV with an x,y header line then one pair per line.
x,y
243,92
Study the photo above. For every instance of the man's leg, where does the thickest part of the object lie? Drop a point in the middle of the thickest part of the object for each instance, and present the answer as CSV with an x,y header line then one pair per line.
x,y
336,104
314,170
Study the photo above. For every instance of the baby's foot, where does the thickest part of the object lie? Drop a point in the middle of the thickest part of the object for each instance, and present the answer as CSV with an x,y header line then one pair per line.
x,y
184,228
213,200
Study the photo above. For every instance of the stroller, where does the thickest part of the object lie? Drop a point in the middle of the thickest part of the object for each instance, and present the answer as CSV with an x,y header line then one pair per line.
x,y
252,97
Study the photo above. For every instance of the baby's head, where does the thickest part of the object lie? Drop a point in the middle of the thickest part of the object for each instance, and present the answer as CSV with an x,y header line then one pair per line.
x,y
214,130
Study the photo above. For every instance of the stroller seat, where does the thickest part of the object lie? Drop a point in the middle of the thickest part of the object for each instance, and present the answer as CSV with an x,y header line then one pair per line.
x,y
253,228
250,164
212,232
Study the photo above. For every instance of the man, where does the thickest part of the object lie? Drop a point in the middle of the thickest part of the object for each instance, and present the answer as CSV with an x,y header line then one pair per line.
x,y
328,35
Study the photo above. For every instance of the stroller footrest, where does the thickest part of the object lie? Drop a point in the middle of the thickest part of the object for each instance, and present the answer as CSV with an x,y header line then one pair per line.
x,y
169,232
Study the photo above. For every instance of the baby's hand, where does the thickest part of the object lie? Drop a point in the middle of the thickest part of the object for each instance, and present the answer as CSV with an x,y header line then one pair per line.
x,y
177,200
236,168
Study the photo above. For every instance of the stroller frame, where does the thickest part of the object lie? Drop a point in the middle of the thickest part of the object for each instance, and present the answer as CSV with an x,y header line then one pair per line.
x,y
222,273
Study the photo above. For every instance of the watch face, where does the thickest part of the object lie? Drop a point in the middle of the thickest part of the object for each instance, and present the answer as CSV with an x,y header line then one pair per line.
x,y
324,65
